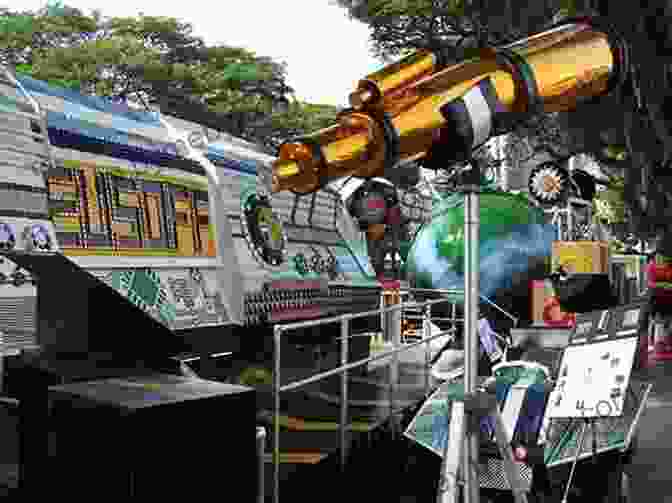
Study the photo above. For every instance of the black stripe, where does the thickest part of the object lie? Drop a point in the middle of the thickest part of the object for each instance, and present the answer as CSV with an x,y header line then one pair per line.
x,y
311,212
23,188
491,98
524,78
390,136
392,141
458,127
295,208
24,214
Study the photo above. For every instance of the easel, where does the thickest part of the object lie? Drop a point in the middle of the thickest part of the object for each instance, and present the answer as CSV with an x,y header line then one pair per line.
x,y
582,438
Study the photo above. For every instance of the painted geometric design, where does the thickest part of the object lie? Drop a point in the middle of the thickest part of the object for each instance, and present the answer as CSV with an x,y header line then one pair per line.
x,y
179,298
143,288
182,292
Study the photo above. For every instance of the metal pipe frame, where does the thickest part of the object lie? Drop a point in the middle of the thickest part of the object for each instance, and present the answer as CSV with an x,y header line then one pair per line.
x,y
344,320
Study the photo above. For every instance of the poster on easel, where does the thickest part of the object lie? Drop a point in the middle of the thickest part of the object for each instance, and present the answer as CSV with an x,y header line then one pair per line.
x,y
596,366
593,380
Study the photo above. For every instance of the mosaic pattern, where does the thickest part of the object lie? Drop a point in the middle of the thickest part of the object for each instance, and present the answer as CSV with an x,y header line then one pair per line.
x,y
179,299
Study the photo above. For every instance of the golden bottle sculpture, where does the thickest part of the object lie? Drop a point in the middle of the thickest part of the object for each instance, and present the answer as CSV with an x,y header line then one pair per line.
x,y
569,63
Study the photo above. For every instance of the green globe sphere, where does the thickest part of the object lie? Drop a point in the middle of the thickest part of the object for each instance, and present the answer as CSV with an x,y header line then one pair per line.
x,y
515,241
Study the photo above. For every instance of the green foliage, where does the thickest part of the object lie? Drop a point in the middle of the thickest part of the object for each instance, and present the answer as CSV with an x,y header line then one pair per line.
x,y
298,119
157,61
454,25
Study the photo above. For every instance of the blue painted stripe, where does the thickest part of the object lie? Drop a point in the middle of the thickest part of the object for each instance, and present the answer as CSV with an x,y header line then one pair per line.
x,y
75,141
92,102
79,134
60,121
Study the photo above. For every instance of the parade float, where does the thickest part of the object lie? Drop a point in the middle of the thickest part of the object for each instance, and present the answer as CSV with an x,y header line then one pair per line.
x,y
421,109
236,266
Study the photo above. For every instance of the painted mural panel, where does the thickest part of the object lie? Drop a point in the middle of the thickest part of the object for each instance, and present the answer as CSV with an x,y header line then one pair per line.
x,y
102,210
177,298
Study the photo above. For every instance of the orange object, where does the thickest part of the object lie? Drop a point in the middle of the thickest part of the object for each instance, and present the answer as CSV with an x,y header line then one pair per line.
x,y
212,250
375,232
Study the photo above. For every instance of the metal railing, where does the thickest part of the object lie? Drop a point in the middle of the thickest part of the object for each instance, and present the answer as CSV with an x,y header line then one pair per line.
x,y
459,292
345,367
394,334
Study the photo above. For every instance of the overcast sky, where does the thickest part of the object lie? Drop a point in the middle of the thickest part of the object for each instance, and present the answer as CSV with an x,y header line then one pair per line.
x,y
326,52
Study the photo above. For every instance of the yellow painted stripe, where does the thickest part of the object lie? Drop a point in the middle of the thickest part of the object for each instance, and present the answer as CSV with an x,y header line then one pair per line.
x,y
297,458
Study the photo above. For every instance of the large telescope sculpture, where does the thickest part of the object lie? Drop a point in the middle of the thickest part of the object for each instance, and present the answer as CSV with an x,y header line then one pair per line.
x,y
399,113
421,108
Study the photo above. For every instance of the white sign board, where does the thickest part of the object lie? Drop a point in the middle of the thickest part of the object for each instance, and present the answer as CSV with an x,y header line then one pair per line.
x,y
593,380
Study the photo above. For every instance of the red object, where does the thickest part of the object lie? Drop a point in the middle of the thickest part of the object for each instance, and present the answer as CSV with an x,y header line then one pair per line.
x,y
520,454
377,203
659,273
554,316
393,216
389,284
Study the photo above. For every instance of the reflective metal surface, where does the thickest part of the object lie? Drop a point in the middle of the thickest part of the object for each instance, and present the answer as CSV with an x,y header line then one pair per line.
x,y
570,63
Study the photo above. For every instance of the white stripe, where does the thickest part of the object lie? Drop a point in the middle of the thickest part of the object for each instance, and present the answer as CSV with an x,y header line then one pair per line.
x,y
512,407
480,114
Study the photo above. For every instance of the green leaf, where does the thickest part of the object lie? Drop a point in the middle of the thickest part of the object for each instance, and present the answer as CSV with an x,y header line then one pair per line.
x,y
241,72
16,24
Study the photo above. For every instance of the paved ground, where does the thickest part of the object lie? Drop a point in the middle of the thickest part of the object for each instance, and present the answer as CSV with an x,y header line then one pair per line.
x,y
651,477
652,468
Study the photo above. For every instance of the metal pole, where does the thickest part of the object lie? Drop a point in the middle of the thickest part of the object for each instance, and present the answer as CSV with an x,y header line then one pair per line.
x,y
345,333
427,337
584,427
383,316
277,334
395,337
471,302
